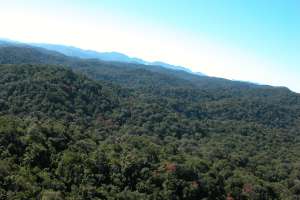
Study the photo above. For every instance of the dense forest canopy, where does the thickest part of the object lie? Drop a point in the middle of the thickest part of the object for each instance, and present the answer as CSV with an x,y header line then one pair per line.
x,y
88,129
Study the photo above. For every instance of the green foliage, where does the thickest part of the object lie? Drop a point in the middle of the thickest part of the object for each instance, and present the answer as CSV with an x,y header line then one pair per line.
x,y
142,134
52,92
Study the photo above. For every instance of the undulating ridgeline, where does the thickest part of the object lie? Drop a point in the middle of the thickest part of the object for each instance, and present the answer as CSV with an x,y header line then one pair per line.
x,y
72,128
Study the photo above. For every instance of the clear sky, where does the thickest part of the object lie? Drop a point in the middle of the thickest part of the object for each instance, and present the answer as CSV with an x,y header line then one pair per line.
x,y
250,40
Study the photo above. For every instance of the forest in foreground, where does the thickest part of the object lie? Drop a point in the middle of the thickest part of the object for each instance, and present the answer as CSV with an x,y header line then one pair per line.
x,y
75,128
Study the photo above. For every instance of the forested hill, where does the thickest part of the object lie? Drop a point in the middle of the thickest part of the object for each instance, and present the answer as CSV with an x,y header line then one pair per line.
x,y
52,92
111,71
191,95
88,129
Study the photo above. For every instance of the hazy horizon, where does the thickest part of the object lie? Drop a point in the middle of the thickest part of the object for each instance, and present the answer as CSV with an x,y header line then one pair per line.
x,y
249,41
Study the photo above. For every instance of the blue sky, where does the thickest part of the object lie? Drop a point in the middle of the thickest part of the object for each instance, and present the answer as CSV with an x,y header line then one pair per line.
x,y
251,40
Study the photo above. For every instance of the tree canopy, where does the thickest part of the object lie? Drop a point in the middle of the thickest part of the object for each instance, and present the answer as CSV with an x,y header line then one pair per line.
x,y
102,130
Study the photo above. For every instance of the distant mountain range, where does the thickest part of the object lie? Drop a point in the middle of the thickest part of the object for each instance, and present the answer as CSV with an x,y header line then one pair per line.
x,y
90,54
107,56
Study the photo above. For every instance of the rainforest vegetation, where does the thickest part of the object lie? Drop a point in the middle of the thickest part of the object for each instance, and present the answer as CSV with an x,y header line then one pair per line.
x,y
88,129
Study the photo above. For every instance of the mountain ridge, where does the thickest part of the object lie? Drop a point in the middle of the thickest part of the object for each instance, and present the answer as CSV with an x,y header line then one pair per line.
x,y
108,56
91,54
36,55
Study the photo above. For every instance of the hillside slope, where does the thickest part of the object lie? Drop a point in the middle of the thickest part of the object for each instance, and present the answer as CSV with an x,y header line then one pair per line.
x,y
132,132
109,70
191,95
51,92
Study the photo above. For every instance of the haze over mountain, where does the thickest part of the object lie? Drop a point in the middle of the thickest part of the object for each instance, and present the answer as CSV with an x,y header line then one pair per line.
x,y
106,56
252,41
89,54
